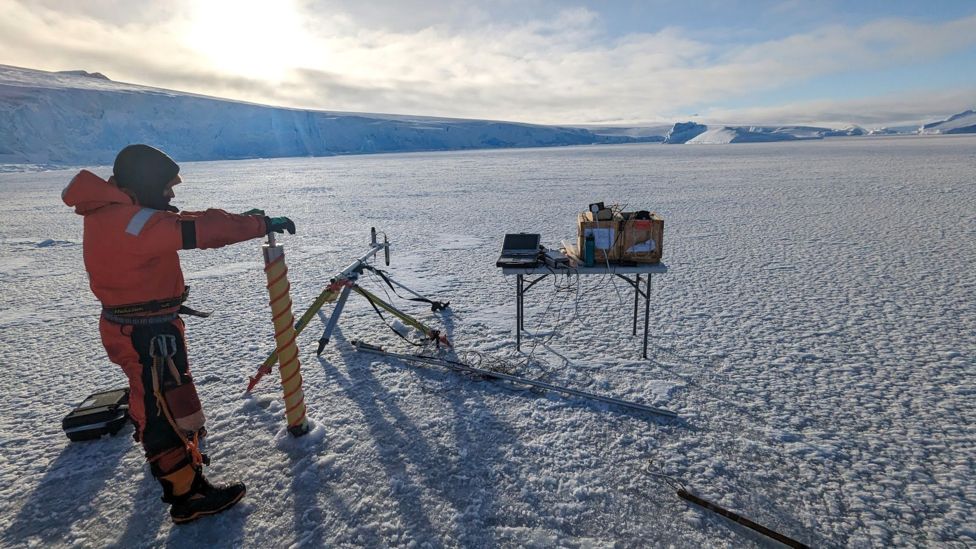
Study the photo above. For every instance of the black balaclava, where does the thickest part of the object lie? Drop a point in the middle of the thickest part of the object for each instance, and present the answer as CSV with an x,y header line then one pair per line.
x,y
145,171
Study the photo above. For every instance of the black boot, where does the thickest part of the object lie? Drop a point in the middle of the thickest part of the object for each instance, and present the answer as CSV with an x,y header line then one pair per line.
x,y
205,499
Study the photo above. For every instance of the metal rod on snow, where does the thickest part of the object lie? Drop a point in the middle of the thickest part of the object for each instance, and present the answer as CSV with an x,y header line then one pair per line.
x,y
285,334
407,319
333,320
460,366
737,518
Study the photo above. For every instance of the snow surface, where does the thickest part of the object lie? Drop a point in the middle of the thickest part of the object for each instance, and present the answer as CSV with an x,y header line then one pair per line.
x,y
815,334
714,136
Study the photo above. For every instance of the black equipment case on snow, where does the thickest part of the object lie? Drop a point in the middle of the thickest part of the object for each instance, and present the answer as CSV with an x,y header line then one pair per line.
x,y
99,414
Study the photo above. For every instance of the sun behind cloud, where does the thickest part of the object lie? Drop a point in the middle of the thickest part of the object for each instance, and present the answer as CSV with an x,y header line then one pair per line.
x,y
258,38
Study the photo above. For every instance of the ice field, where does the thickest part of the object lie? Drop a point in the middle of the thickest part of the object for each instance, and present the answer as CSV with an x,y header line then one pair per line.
x,y
816,335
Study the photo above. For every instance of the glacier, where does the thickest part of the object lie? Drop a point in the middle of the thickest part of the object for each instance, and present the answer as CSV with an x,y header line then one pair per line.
x,y
84,118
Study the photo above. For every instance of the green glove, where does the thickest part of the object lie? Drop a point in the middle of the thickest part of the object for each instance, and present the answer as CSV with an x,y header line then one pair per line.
x,y
254,211
279,224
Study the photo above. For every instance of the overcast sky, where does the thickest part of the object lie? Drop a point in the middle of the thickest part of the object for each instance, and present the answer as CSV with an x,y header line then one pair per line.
x,y
869,62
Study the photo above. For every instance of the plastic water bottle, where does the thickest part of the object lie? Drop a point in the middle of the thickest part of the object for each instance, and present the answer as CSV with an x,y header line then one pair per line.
x,y
589,251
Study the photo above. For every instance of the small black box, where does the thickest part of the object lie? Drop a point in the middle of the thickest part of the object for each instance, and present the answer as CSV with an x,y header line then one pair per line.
x,y
99,414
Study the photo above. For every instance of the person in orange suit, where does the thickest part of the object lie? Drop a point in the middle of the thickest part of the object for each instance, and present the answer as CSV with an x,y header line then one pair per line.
x,y
131,238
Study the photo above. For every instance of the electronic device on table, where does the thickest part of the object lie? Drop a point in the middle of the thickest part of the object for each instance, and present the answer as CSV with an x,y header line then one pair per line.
x,y
555,259
519,250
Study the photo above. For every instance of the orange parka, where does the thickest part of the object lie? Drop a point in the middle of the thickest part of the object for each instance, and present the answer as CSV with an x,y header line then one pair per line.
x,y
130,251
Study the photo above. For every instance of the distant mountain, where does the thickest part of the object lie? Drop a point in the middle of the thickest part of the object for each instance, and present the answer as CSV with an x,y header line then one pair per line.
x,y
700,134
721,135
681,132
964,122
76,117
849,131
98,75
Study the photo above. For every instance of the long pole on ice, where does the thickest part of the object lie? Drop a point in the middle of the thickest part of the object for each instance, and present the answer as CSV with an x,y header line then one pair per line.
x,y
461,367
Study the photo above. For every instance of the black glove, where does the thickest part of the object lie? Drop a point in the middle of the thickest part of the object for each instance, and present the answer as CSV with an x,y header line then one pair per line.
x,y
279,224
253,211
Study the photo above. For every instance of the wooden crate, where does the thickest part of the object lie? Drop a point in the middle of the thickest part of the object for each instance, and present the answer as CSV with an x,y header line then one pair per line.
x,y
636,236
608,233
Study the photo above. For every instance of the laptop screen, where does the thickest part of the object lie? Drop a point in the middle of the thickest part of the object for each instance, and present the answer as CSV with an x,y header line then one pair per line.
x,y
521,243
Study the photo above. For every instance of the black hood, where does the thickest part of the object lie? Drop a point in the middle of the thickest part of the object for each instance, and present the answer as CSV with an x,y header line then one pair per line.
x,y
145,171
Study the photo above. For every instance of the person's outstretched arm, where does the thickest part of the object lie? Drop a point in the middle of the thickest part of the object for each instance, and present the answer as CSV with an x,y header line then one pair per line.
x,y
153,232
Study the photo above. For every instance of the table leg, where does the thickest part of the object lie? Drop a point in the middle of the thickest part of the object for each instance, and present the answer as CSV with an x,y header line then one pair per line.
x,y
636,296
522,303
518,312
647,310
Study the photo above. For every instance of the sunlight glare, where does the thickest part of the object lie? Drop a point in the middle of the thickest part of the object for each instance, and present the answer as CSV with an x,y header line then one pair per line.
x,y
258,38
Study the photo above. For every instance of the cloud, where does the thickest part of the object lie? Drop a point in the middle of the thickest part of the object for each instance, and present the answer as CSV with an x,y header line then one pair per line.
x,y
905,109
41,37
467,61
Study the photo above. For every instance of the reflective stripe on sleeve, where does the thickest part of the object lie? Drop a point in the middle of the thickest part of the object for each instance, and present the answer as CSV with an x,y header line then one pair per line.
x,y
139,220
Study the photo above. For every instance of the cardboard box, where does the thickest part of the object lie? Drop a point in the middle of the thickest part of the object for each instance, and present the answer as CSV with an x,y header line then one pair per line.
x,y
641,240
606,234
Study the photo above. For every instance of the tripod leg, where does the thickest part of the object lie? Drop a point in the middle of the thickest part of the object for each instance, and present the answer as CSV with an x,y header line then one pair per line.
x,y
333,320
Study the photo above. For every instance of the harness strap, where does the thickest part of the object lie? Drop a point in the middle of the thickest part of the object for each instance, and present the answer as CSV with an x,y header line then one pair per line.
x,y
123,314
147,306
184,310
140,320
162,350
156,391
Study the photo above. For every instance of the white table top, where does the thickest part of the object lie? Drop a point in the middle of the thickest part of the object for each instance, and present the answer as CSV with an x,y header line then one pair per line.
x,y
653,268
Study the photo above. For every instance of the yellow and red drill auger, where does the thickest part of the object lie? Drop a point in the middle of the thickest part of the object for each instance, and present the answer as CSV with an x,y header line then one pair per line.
x,y
285,334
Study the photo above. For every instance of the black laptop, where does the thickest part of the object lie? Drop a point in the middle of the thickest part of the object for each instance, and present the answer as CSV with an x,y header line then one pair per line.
x,y
519,250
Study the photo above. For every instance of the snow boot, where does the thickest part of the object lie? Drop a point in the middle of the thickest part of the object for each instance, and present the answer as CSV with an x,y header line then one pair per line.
x,y
205,499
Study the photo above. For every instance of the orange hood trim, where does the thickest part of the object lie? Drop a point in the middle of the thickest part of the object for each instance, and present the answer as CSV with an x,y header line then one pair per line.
x,y
87,192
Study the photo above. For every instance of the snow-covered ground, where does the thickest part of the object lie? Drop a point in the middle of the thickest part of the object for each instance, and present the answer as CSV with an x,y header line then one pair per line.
x,y
815,334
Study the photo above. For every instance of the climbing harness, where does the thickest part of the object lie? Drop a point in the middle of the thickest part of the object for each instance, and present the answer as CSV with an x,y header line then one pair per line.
x,y
187,420
142,314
